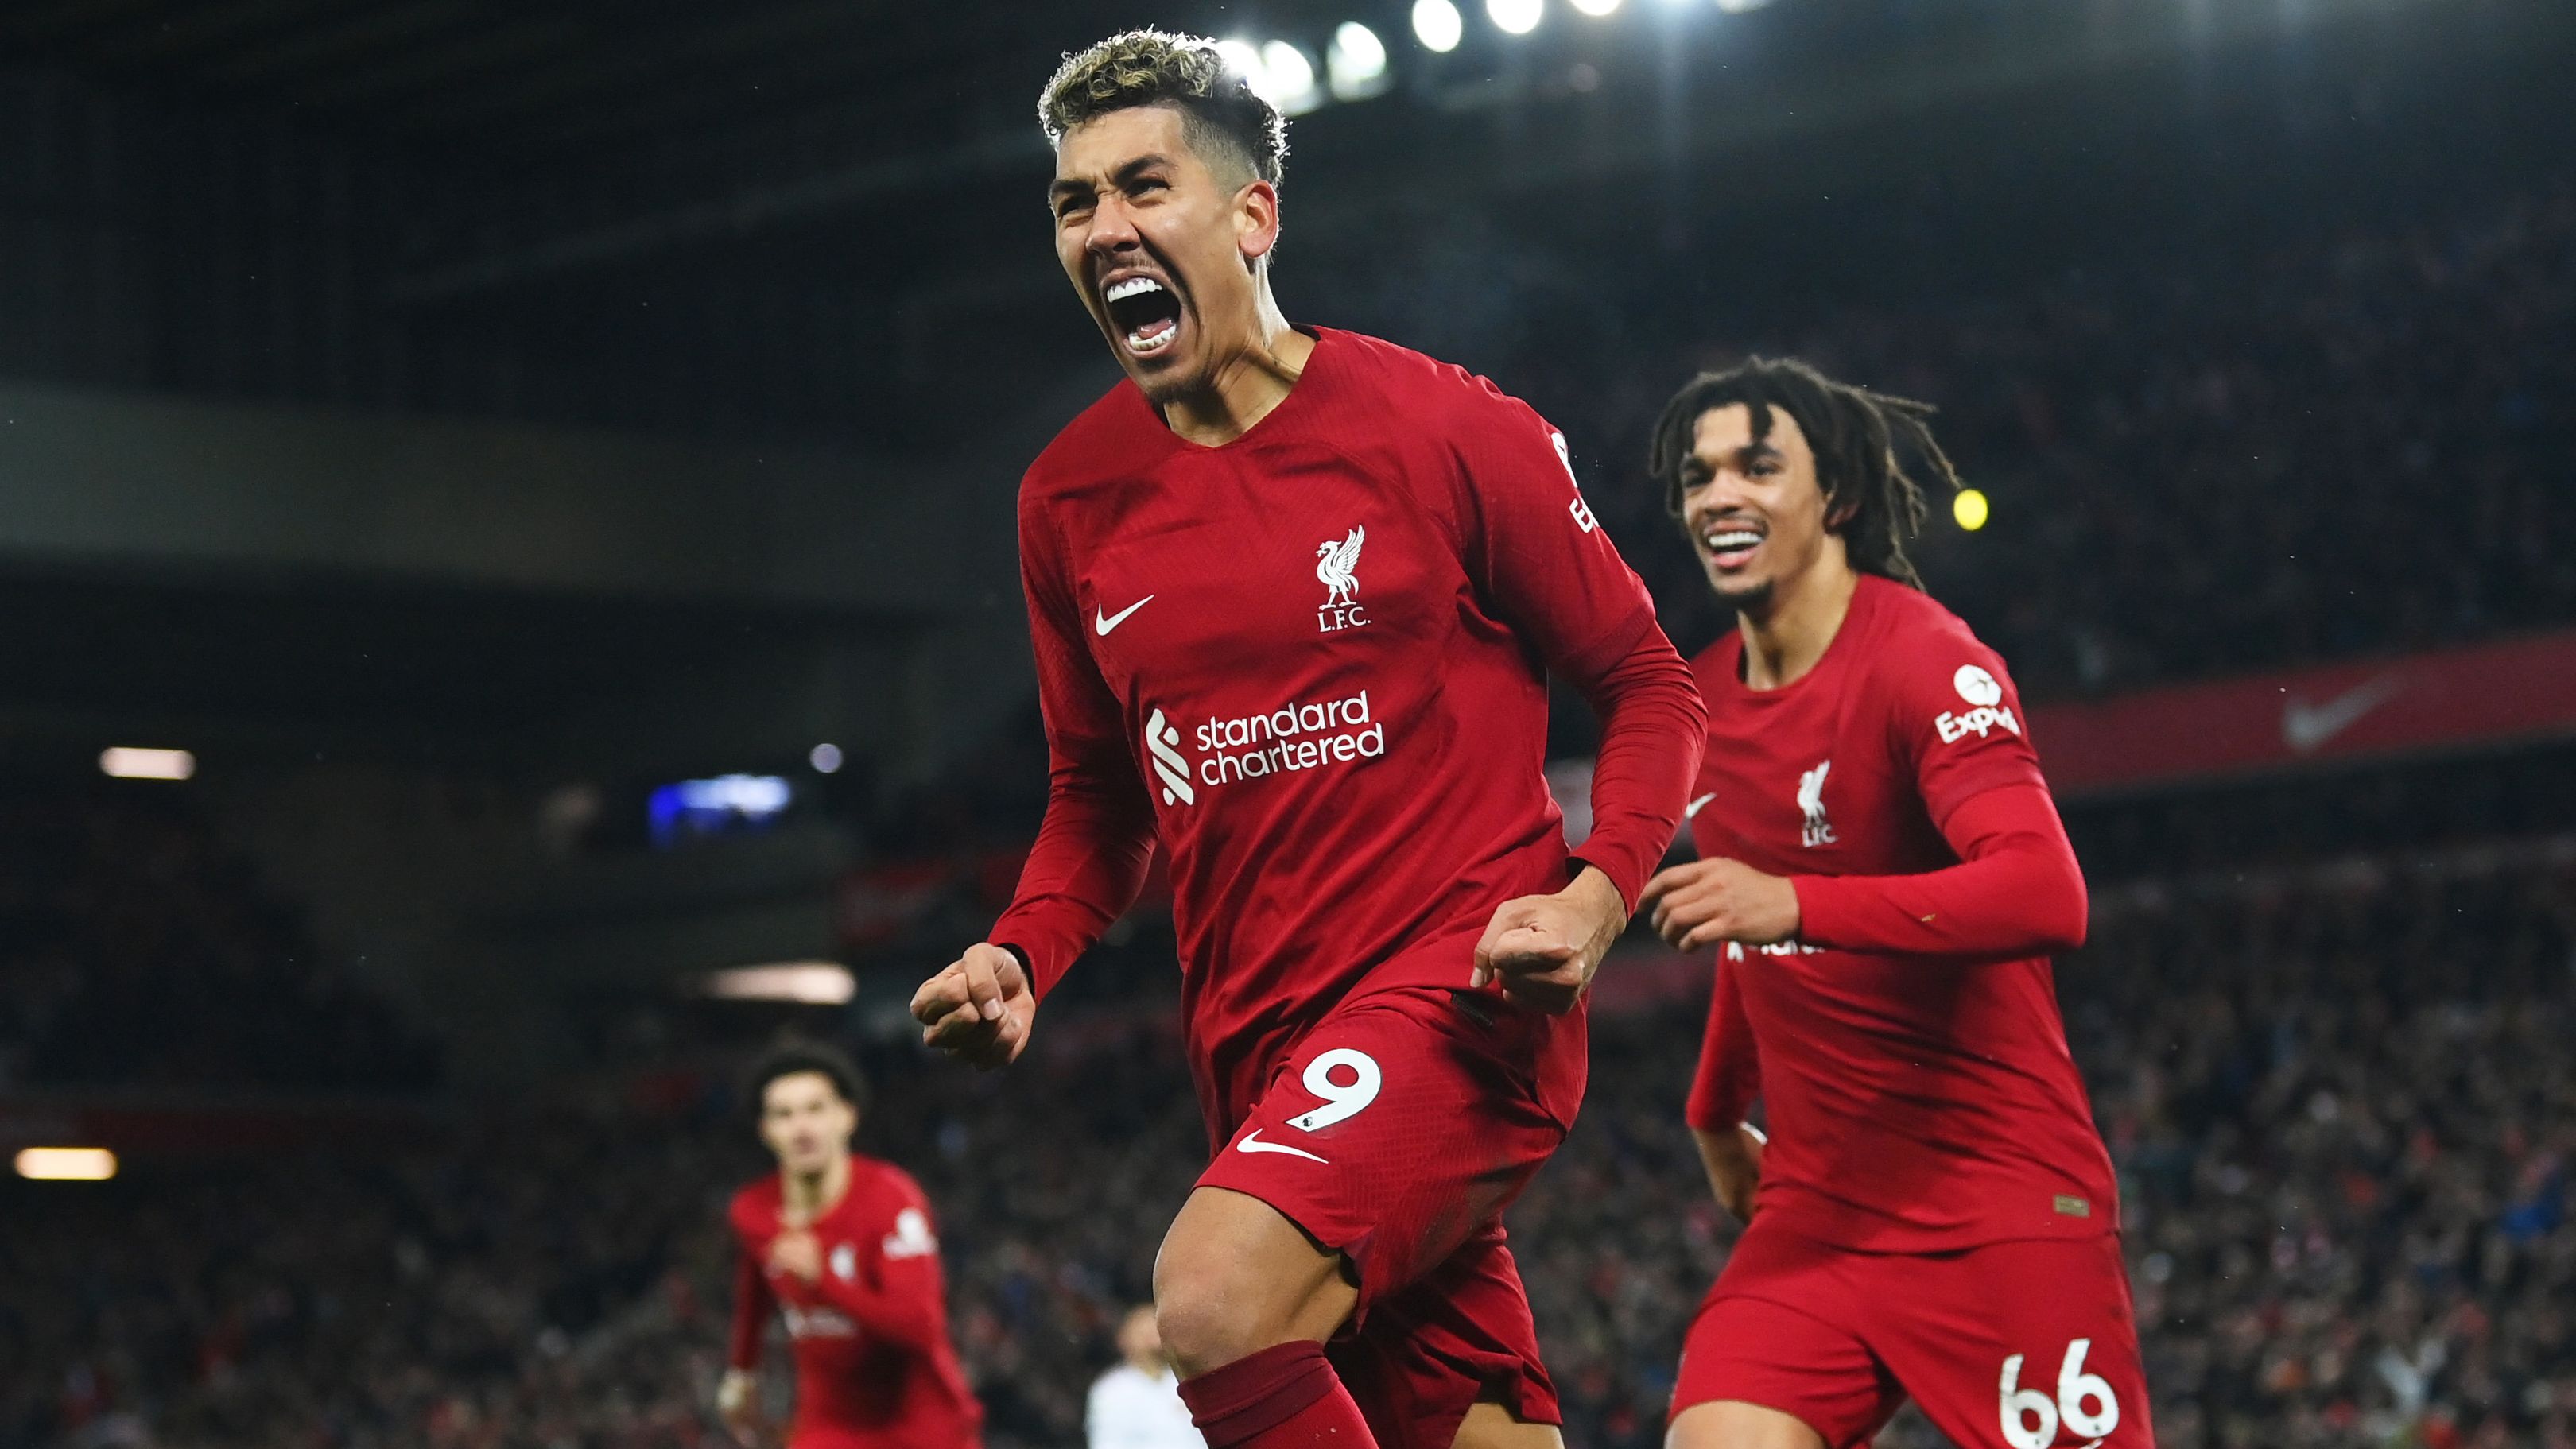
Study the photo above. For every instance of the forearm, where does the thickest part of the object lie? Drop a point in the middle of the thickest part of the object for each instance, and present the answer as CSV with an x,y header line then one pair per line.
x,y
2017,892
1083,872
1653,728
904,1316
1732,1158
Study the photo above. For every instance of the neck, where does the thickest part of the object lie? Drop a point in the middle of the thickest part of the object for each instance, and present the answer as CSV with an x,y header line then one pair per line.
x,y
808,1195
1248,384
1799,622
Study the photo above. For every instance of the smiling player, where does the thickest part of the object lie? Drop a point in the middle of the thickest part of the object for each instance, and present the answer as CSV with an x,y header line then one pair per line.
x,y
1934,1214
1294,594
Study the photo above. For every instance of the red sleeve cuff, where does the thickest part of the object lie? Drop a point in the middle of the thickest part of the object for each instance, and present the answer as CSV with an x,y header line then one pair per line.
x,y
1824,905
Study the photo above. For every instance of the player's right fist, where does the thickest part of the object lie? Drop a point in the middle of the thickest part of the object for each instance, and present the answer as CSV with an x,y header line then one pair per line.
x,y
738,1404
979,1009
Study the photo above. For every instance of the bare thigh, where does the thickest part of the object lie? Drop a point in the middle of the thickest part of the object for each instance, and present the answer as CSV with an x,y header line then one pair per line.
x,y
1489,1425
1734,1424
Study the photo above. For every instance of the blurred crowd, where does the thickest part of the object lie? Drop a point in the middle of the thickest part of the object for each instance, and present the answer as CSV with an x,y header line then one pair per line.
x,y
2337,1094
136,950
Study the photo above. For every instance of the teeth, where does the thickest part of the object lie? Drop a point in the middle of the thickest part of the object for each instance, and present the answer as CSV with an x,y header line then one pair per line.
x,y
1139,343
1733,539
1132,287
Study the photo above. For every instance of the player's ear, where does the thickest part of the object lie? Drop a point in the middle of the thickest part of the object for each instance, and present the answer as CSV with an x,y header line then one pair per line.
x,y
1839,512
1256,219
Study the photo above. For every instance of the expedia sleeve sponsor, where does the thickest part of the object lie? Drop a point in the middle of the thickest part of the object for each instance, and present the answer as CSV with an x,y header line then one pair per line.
x,y
1986,710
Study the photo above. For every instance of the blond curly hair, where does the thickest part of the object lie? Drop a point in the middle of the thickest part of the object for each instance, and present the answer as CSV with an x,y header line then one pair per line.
x,y
1226,122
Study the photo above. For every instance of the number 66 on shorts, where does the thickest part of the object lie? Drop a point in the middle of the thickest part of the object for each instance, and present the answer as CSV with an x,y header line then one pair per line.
x,y
2026,1344
2085,1403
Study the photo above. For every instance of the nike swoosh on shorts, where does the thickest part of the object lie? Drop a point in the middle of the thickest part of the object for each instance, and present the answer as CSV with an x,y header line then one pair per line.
x,y
1252,1143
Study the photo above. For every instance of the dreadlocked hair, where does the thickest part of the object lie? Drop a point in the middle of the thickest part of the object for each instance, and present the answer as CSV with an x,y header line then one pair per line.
x,y
1870,499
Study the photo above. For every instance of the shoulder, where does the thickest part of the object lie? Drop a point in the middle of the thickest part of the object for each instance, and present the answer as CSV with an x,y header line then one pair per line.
x,y
888,1179
1903,611
1920,645
754,1206
890,1199
1082,448
1418,384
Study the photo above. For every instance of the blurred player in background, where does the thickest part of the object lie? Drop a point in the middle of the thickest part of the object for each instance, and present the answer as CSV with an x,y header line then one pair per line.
x,y
1885,872
1137,1404
843,1246
1294,595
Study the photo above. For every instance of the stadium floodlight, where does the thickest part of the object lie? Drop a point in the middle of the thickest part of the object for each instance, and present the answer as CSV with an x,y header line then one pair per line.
x,y
1438,25
1738,7
808,983
126,762
1244,59
1970,509
66,1164
1516,17
1355,63
825,758
1597,8
1291,74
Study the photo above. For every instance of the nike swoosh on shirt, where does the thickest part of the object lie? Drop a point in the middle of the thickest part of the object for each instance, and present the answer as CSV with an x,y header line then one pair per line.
x,y
1252,1143
1106,622
1691,811
2306,726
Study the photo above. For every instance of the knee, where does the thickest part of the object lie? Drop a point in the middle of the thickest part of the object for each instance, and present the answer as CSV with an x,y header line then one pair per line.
x,y
1208,1318
1235,1276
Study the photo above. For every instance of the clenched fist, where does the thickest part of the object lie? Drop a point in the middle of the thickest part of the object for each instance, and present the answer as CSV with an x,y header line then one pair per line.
x,y
979,1009
1544,949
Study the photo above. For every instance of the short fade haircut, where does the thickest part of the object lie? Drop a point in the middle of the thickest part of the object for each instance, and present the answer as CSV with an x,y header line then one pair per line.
x,y
1854,434
1225,120
790,1058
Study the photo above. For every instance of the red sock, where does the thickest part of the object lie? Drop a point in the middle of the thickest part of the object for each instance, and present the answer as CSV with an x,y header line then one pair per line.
x,y
1284,1397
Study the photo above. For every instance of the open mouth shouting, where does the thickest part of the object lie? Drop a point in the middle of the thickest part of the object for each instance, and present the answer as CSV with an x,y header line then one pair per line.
x,y
1728,544
1144,313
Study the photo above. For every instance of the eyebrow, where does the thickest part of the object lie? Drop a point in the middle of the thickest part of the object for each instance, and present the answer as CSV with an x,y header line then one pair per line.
x,y
1126,173
1746,456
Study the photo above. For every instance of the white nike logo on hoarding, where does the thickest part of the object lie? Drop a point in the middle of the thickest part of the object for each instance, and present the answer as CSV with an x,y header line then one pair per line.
x,y
1106,622
1691,811
1252,1143
2306,726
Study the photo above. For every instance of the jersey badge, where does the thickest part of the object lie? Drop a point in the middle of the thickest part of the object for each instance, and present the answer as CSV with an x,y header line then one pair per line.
x,y
845,1263
1811,804
1337,569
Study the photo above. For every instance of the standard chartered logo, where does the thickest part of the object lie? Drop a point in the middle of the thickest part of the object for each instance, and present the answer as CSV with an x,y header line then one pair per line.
x,y
1160,738
1295,736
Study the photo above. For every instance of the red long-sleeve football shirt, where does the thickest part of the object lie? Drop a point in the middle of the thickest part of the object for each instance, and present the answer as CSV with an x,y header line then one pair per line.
x,y
874,1367
1907,1043
1313,662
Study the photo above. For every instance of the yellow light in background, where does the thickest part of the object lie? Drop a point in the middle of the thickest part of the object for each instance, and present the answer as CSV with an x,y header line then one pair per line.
x,y
126,762
1970,509
67,1164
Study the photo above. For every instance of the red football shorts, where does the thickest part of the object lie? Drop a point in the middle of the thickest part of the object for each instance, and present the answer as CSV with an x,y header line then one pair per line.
x,y
2019,1345
1395,1132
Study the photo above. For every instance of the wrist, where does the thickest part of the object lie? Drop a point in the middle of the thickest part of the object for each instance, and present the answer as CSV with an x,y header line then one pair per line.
x,y
1593,891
